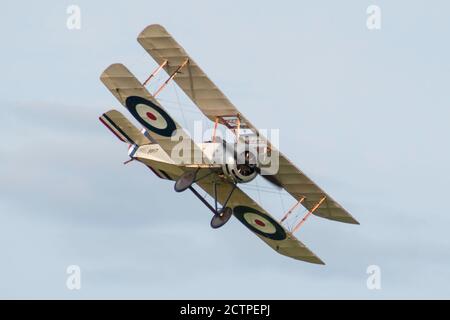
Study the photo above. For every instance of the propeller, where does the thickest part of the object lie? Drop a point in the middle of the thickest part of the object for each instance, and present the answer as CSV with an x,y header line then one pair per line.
x,y
250,164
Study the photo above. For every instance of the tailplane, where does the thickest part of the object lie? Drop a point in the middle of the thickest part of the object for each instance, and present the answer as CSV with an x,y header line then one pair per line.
x,y
123,129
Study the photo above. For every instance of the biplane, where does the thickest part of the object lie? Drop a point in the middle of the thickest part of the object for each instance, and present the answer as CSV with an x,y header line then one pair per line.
x,y
219,176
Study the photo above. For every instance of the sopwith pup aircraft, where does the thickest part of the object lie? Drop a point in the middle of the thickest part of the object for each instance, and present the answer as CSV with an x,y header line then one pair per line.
x,y
216,166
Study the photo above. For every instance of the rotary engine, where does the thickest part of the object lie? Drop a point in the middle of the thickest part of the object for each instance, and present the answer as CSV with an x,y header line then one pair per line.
x,y
240,166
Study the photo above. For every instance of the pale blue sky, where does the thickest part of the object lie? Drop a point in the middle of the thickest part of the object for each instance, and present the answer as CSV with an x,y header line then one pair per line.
x,y
364,113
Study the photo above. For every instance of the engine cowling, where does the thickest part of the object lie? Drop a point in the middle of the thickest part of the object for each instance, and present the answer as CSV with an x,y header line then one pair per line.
x,y
239,166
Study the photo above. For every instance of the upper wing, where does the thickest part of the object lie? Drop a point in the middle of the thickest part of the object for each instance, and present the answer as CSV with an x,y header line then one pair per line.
x,y
194,82
300,186
213,103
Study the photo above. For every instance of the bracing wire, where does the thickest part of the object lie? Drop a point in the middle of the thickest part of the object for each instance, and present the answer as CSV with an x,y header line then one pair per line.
x,y
189,106
179,104
264,189
281,200
259,191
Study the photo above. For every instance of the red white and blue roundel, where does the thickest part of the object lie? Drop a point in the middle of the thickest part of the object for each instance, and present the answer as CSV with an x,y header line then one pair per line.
x,y
259,223
151,116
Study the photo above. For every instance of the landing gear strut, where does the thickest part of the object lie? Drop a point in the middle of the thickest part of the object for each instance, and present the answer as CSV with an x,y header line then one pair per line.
x,y
187,179
221,216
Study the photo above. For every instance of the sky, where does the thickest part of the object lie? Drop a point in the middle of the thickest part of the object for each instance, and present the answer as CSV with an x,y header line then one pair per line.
x,y
364,113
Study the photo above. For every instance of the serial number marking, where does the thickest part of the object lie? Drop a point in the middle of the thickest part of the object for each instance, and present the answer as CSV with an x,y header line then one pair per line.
x,y
247,309
229,309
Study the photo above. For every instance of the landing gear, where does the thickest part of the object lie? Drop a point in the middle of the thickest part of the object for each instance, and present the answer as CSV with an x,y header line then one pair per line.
x,y
185,181
222,217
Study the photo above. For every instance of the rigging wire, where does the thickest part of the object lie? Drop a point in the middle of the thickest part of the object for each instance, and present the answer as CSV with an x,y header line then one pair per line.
x,y
259,191
264,189
281,200
190,106
179,104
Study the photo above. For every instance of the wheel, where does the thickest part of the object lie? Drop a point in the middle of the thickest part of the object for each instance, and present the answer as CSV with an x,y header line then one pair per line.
x,y
221,218
185,181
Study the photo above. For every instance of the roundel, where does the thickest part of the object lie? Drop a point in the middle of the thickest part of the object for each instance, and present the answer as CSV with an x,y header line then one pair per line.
x,y
151,116
259,223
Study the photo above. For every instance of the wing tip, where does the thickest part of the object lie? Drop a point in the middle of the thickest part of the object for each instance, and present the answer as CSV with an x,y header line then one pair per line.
x,y
310,259
114,70
343,218
298,251
111,68
317,260
152,28
350,220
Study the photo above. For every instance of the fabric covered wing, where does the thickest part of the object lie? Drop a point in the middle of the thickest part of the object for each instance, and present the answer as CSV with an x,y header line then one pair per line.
x,y
192,80
299,185
260,222
213,103
144,107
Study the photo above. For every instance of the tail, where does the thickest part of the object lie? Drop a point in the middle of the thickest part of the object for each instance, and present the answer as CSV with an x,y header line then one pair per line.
x,y
123,129
126,132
